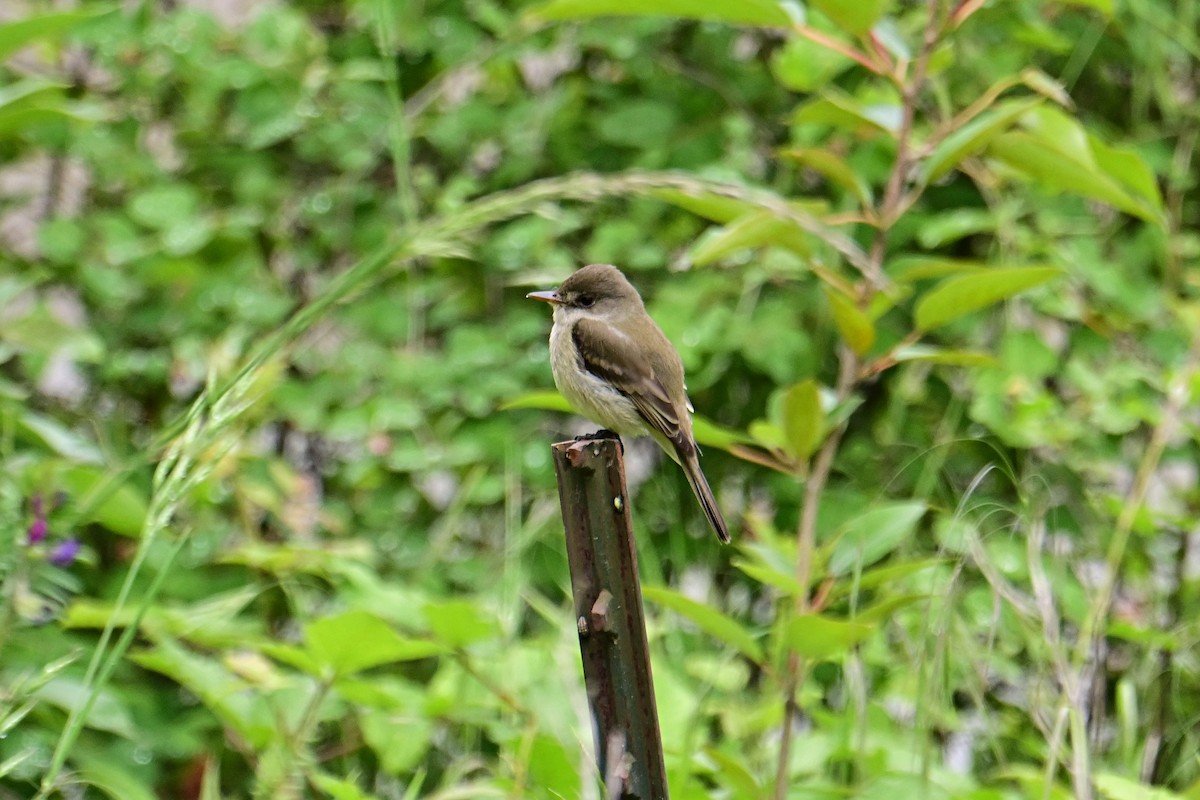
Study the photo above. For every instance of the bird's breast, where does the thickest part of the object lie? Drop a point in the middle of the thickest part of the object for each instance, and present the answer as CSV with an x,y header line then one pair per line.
x,y
589,394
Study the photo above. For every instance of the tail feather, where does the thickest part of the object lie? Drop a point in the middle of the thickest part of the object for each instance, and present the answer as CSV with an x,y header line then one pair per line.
x,y
699,484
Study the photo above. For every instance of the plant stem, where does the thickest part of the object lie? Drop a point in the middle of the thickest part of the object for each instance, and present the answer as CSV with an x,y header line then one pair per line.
x,y
1086,666
848,366
805,544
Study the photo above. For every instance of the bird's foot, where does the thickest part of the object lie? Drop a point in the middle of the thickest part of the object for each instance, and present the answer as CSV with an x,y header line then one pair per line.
x,y
603,433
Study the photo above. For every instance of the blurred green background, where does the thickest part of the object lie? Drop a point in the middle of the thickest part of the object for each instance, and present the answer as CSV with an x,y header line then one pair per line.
x,y
277,514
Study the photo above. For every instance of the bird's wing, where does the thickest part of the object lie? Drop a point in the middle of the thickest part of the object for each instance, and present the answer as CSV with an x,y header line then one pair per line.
x,y
611,356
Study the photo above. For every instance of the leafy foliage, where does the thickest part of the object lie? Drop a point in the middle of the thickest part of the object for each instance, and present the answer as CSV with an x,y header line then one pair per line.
x,y
277,510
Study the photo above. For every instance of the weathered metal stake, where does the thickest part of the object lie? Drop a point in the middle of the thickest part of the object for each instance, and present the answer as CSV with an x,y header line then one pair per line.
x,y
608,613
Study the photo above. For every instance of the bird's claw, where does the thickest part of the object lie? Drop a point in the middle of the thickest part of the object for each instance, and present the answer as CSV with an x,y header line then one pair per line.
x,y
603,433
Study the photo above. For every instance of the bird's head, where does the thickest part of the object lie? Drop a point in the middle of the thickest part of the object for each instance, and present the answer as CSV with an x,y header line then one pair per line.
x,y
597,289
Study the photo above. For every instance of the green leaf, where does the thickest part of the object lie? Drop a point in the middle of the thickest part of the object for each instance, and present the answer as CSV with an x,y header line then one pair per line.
x,y
1152,637
234,701
30,93
856,17
458,623
734,12
734,773
853,325
19,119
715,207
1068,170
399,748
112,778
891,573
637,123
803,418
759,229
842,411
873,534
1116,787
122,509
1046,86
164,207
336,788
356,640
843,111
86,613
710,434
15,35
973,137
946,226
881,612
821,638
834,169
58,439
910,269
1105,7
551,763
940,355
956,297
549,400
768,434
803,65
210,783
1128,168
1033,782
293,656
708,619
286,558
769,576
108,712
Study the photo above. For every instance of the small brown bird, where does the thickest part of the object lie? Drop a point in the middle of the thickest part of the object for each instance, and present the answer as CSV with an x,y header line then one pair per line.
x,y
616,367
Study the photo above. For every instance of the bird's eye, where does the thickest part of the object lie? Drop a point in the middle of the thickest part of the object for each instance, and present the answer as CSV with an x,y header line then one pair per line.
x,y
586,300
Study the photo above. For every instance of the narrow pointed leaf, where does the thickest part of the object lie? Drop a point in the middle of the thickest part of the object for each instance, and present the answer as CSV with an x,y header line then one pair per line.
x,y
356,640
549,400
910,269
844,111
856,17
759,229
940,355
1117,787
873,534
734,12
956,297
802,418
821,638
22,32
458,623
1077,172
708,619
833,168
853,325
973,137
769,576
881,612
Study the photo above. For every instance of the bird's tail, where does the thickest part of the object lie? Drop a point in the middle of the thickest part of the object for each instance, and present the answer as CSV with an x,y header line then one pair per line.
x,y
691,468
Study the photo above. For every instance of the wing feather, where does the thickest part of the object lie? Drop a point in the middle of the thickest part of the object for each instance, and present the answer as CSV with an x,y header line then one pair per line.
x,y
608,354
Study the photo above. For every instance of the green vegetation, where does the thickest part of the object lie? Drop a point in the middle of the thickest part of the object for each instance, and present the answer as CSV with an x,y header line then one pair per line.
x,y
277,510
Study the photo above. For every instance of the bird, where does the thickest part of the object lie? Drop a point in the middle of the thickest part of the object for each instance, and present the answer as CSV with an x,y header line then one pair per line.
x,y
615,366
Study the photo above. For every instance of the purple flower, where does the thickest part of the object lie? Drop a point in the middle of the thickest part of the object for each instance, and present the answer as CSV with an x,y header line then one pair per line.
x,y
37,531
64,552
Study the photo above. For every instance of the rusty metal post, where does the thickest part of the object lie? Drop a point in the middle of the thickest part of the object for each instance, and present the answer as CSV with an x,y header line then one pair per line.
x,y
608,612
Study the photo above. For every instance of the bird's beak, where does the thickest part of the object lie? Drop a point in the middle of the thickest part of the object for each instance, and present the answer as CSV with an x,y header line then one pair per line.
x,y
546,297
